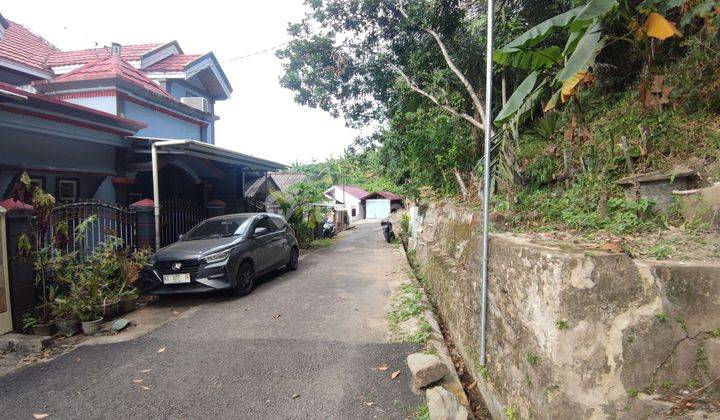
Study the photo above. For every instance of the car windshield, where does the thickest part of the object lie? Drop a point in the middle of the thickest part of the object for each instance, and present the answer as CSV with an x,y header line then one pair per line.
x,y
218,228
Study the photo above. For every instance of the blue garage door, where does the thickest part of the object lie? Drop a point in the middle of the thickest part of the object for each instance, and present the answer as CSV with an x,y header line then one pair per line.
x,y
377,209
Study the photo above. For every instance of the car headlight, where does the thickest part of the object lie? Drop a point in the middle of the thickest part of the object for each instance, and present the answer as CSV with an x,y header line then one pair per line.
x,y
217,257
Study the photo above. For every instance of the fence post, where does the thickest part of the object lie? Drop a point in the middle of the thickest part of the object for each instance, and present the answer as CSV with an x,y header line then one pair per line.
x,y
20,270
215,208
145,223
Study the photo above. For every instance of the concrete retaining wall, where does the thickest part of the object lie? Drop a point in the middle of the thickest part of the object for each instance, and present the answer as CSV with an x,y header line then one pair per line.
x,y
573,332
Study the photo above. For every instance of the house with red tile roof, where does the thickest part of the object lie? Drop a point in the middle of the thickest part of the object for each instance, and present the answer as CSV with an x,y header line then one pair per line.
x,y
82,122
348,198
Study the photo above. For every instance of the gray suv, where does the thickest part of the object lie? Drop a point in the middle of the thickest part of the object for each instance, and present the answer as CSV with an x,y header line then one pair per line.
x,y
222,253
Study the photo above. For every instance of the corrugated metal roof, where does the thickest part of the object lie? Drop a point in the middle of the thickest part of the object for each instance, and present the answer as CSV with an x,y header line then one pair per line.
x,y
281,180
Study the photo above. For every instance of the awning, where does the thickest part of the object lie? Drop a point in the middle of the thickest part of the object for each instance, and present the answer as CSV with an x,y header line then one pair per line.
x,y
211,152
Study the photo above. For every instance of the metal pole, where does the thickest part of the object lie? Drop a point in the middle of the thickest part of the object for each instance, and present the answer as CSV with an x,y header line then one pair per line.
x,y
156,182
156,194
486,177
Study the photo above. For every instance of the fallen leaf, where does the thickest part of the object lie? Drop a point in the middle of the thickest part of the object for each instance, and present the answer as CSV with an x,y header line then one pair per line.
x,y
382,368
295,396
394,374
137,381
472,386
369,403
612,246
145,371
40,416
161,350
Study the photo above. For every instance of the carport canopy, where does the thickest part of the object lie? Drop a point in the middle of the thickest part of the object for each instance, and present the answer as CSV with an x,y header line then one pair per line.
x,y
198,149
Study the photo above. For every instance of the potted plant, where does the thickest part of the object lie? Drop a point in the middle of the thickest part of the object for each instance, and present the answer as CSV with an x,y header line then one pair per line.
x,y
64,310
30,322
90,318
128,300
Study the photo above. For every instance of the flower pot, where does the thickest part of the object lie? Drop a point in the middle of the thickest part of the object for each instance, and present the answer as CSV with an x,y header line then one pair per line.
x,y
90,327
110,310
127,305
69,326
44,329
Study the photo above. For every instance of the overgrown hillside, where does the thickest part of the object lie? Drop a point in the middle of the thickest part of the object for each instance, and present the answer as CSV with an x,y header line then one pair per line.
x,y
592,92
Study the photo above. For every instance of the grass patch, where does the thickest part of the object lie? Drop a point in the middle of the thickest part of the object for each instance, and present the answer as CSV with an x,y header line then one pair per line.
x,y
561,324
422,412
408,303
531,358
321,243
421,336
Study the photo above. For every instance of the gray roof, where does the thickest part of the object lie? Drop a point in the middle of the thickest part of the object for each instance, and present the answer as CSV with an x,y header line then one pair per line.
x,y
282,180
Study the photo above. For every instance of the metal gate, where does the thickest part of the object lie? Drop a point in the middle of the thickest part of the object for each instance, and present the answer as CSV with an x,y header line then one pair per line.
x,y
177,217
109,220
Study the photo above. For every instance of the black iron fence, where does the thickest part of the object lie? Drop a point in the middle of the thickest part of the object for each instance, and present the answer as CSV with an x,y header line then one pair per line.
x,y
177,217
108,219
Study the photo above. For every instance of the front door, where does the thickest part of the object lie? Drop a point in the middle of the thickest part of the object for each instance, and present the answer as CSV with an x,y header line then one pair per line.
x,y
5,312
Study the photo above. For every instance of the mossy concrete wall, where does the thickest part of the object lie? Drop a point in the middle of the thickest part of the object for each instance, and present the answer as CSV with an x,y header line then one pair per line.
x,y
572,332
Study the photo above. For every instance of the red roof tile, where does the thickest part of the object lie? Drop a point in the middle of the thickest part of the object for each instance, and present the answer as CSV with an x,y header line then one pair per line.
x,y
22,46
128,52
109,68
174,62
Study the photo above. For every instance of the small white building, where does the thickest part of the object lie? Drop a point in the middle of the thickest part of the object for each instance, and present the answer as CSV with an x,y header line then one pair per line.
x,y
348,198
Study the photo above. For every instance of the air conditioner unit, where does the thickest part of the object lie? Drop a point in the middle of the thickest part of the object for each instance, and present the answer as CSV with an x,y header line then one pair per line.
x,y
197,102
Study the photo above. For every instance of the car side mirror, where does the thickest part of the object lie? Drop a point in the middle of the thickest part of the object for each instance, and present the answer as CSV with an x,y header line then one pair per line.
x,y
260,231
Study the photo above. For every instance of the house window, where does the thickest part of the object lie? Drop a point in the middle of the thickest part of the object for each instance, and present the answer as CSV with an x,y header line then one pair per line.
x,y
67,190
38,181
352,212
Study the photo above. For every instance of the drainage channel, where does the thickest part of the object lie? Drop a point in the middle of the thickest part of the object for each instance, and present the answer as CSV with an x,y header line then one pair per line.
x,y
475,400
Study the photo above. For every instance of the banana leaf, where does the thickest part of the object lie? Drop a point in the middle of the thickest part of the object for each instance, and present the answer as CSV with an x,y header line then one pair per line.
x,y
584,55
517,99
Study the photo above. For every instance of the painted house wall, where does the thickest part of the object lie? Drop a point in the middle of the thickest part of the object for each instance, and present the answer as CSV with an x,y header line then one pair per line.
x,y
182,88
161,124
104,103
68,159
351,203
15,78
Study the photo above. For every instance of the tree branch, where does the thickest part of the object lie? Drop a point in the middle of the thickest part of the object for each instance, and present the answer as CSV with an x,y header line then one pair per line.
x,y
448,60
444,106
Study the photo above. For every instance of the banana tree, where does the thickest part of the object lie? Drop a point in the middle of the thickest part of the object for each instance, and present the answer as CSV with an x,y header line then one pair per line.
x,y
554,68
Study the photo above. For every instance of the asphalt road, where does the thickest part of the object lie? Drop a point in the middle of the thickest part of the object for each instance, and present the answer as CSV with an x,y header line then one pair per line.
x,y
316,334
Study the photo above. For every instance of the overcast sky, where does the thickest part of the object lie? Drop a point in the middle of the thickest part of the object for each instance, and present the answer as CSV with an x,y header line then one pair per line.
x,y
261,117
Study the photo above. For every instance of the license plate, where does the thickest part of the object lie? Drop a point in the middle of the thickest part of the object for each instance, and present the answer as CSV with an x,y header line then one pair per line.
x,y
176,278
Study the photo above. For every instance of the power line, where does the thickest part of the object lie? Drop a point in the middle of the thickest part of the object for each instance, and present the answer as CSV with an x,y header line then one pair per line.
x,y
270,49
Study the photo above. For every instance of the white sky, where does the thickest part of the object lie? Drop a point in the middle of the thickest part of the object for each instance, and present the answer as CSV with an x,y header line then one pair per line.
x,y
261,117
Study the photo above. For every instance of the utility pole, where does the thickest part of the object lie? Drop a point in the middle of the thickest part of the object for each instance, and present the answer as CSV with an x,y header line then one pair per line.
x,y
486,177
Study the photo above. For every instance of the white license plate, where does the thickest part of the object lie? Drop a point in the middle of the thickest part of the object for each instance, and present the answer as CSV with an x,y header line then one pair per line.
x,y
176,278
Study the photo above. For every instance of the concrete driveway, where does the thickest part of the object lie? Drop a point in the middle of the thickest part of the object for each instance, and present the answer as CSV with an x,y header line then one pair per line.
x,y
304,344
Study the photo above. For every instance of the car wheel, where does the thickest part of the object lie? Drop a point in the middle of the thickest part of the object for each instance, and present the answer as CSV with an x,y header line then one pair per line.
x,y
292,265
245,279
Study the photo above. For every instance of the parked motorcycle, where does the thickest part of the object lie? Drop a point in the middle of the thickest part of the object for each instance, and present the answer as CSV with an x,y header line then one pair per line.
x,y
329,229
387,230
